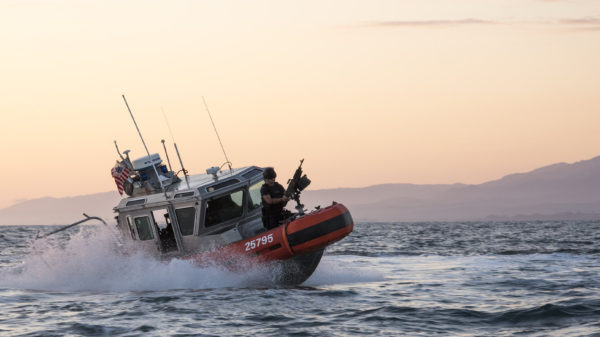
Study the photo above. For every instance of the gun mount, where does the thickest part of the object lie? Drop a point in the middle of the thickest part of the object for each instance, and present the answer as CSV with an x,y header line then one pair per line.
x,y
296,185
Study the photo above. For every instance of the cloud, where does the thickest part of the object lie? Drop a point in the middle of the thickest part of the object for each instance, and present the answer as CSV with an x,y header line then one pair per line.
x,y
429,23
581,21
30,3
573,24
581,24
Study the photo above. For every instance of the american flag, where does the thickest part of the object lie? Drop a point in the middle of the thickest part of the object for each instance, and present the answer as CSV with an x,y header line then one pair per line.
x,y
120,173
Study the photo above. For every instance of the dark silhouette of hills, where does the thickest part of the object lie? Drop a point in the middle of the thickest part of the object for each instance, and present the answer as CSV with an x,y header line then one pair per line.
x,y
556,192
559,191
58,211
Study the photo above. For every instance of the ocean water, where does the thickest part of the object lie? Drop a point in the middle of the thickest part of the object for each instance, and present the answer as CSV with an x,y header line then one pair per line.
x,y
385,279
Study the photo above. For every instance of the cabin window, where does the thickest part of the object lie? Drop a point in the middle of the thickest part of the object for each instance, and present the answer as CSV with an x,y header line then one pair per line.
x,y
221,185
143,228
252,173
131,228
184,195
224,208
136,202
255,200
185,218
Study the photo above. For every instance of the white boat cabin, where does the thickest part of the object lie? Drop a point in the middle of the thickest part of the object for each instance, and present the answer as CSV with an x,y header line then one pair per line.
x,y
194,214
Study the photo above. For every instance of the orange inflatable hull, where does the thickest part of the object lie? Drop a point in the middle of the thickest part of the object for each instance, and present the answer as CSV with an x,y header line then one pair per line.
x,y
307,235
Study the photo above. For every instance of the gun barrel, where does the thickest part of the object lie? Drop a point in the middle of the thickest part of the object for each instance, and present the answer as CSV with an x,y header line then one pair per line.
x,y
293,189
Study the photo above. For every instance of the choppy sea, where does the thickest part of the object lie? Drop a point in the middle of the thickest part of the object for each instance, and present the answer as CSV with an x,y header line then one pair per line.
x,y
385,279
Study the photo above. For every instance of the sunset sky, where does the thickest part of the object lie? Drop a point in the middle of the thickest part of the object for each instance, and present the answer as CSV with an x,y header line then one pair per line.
x,y
368,92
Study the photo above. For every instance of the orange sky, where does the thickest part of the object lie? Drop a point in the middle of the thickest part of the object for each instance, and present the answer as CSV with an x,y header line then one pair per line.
x,y
368,92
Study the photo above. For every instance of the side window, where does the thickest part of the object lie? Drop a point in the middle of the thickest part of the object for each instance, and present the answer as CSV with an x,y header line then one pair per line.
x,y
224,208
185,218
131,228
161,218
255,200
143,228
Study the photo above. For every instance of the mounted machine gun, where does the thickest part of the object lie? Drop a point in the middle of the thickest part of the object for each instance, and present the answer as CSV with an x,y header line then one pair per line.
x,y
296,185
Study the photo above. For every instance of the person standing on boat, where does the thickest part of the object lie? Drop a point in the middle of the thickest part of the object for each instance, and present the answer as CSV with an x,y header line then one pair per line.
x,y
273,199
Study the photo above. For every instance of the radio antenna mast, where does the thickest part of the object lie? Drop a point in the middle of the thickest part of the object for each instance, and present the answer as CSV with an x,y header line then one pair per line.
x,y
219,138
176,149
166,154
143,142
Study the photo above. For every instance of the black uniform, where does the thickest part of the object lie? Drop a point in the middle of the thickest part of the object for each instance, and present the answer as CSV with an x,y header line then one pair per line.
x,y
273,213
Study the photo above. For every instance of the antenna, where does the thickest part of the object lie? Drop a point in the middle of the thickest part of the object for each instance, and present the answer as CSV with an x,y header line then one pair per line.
x,y
176,149
168,125
166,154
143,142
219,138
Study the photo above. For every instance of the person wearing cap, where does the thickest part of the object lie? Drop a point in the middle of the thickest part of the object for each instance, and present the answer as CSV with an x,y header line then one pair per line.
x,y
273,199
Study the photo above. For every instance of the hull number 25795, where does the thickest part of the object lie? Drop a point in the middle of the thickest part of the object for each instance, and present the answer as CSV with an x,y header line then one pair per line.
x,y
261,241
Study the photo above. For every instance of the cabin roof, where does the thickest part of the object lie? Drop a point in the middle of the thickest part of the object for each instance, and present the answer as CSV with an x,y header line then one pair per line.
x,y
201,186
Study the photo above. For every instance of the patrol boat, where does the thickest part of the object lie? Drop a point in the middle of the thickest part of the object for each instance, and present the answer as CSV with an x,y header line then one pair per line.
x,y
217,218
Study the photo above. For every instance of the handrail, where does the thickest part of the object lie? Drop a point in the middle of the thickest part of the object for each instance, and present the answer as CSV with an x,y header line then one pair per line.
x,y
87,218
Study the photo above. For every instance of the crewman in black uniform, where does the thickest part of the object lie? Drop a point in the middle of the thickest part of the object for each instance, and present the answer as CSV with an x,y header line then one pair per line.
x,y
273,199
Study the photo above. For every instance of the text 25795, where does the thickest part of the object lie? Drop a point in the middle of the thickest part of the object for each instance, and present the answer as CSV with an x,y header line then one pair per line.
x,y
261,241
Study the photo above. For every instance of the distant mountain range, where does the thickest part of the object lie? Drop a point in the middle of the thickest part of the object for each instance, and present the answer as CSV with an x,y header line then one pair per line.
x,y
58,211
560,191
556,192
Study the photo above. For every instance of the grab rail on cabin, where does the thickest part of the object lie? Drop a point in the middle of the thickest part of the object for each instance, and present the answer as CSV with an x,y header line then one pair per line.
x,y
87,218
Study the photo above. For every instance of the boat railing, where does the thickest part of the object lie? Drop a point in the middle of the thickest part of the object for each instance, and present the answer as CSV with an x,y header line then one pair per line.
x,y
87,218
